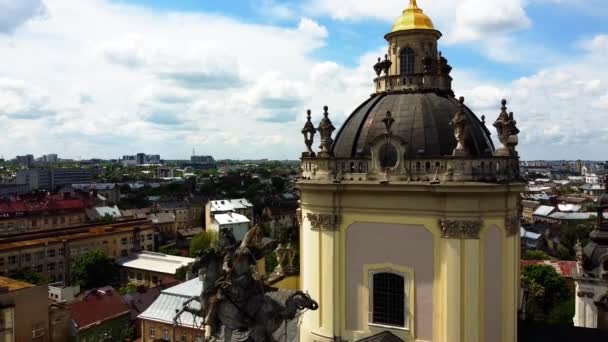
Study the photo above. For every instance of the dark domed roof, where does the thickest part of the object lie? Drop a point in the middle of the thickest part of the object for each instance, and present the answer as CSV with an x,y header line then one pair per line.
x,y
422,120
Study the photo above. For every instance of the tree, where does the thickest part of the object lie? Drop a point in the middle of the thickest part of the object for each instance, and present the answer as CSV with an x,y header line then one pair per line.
x,y
548,295
29,276
535,255
203,242
93,269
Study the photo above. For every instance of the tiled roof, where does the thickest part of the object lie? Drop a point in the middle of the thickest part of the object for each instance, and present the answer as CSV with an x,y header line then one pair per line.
x,y
97,307
566,269
47,204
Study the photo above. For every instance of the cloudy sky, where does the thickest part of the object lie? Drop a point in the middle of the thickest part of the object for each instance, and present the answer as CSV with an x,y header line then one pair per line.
x,y
103,78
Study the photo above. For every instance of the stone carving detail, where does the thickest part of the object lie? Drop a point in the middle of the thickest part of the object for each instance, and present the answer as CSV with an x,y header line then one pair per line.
x,y
460,229
326,128
309,134
299,216
585,294
327,222
512,225
507,130
460,123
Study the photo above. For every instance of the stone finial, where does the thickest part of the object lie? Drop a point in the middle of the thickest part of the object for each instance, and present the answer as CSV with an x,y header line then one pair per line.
x,y
387,64
309,133
460,123
388,122
378,67
506,128
326,128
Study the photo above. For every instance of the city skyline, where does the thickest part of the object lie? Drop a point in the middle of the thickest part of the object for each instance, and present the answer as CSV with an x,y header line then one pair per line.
x,y
235,80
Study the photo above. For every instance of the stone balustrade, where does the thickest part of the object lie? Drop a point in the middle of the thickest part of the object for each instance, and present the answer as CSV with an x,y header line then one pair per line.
x,y
445,169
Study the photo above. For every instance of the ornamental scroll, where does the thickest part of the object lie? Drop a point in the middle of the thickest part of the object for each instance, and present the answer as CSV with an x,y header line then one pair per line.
x,y
512,225
451,229
326,222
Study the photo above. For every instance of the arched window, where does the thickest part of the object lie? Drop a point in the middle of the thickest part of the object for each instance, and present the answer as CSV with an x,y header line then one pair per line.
x,y
408,62
388,299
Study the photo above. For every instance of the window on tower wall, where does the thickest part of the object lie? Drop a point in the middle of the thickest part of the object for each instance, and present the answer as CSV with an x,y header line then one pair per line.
x,y
389,299
408,62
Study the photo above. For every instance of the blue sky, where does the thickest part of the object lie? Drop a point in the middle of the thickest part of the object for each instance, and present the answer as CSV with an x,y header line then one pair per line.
x,y
103,78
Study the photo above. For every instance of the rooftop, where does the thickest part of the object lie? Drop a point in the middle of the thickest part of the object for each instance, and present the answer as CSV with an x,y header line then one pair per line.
x,y
230,205
13,285
544,210
231,218
26,240
156,262
163,308
566,269
97,307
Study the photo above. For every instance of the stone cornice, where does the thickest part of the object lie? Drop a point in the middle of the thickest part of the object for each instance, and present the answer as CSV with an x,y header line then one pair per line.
x,y
324,222
456,229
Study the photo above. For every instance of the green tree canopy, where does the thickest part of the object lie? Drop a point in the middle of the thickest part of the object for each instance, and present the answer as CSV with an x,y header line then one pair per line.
x,y
549,295
29,276
203,242
535,255
94,269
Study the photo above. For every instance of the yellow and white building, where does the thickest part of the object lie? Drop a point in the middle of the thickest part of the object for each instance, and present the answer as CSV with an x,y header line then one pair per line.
x,y
410,215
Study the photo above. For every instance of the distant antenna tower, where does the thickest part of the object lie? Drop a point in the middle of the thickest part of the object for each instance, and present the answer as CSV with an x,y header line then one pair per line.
x,y
193,152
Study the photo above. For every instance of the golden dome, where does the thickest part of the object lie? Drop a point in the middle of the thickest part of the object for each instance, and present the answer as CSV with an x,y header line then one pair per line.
x,y
413,19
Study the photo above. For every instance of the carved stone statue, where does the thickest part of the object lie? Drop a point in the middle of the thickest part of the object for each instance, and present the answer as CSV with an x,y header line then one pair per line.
x,y
309,133
460,123
507,130
578,248
326,128
234,302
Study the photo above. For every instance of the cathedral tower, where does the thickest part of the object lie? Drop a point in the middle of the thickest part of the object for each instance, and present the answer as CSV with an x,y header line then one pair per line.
x,y
410,216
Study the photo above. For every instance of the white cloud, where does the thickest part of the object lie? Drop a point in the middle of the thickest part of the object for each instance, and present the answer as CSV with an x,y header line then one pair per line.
x,y
561,109
14,13
132,79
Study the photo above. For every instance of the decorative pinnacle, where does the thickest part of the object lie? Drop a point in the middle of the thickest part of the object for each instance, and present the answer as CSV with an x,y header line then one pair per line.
x,y
308,116
388,121
325,111
461,99
504,105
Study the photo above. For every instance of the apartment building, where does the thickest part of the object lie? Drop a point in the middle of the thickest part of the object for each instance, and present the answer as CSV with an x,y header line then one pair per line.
x,y
23,311
40,213
50,253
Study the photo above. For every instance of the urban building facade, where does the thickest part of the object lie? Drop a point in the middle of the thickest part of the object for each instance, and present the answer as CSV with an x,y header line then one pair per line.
x,y
50,253
40,213
23,311
151,269
51,179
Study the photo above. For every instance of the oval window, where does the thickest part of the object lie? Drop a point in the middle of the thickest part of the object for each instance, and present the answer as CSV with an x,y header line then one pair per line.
x,y
388,156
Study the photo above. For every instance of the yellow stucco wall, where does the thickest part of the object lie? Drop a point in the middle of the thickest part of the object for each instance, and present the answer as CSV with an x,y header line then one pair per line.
x,y
458,304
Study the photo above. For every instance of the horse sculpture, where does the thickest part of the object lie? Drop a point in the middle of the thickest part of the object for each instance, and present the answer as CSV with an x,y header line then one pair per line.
x,y
235,303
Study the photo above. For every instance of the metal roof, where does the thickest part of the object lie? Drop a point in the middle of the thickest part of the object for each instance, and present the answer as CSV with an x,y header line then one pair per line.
x,y
544,210
230,204
230,218
156,262
173,298
528,235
